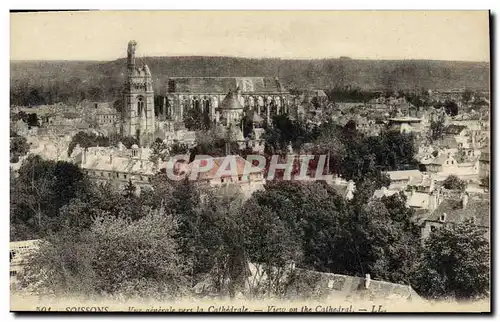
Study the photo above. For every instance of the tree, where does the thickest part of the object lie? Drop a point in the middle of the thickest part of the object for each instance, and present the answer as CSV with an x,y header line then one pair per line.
x,y
159,151
270,243
115,257
178,148
130,189
437,130
455,263
196,120
86,140
329,142
18,147
467,95
452,182
283,131
32,120
310,212
451,108
40,190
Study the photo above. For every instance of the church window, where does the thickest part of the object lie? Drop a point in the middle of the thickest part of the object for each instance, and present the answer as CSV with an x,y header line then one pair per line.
x,y
140,106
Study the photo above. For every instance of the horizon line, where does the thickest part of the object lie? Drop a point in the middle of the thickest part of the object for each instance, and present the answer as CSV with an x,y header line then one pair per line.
x,y
344,58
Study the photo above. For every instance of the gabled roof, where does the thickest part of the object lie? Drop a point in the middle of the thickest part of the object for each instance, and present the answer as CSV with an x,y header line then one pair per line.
x,y
440,159
348,286
404,174
230,102
418,200
320,285
455,213
454,129
224,84
255,117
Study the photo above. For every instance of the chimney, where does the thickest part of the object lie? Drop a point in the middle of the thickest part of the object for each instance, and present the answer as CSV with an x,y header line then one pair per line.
x,y
111,159
367,281
84,161
432,201
432,185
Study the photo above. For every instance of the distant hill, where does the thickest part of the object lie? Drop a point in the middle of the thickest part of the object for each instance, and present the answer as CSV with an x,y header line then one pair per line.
x,y
46,82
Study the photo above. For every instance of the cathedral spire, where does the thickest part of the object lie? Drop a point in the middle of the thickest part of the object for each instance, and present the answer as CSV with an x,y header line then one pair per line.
x,y
131,55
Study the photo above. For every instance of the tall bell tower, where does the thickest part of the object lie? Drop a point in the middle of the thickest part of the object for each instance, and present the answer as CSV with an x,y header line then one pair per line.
x,y
138,100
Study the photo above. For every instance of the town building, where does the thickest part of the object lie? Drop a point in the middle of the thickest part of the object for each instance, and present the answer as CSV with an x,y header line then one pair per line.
x,y
484,164
138,97
18,255
117,165
265,95
445,164
456,209
400,179
404,124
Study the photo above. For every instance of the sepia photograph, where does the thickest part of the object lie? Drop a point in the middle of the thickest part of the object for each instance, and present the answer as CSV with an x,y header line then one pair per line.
x,y
250,161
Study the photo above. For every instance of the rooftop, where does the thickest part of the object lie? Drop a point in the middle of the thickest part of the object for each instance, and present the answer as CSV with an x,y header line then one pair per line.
x,y
230,102
224,84
404,174
455,213
454,129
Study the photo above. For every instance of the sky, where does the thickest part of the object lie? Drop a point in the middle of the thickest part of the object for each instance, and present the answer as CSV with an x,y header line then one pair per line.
x,y
103,35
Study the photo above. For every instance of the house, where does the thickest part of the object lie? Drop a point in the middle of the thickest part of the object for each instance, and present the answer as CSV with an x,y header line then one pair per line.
x,y
425,155
405,124
445,164
19,254
117,165
299,283
420,191
456,130
107,118
484,164
400,179
456,210
384,192
442,163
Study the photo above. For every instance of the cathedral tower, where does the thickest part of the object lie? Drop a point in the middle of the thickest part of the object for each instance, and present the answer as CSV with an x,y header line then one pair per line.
x,y
138,100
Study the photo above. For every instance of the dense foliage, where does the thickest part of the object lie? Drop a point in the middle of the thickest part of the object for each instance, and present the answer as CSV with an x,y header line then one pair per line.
x,y
18,147
453,182
114,257
351,154
455,263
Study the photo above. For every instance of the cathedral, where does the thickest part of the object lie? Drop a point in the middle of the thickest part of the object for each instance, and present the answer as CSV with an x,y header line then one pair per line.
x,y
224,99
138,100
